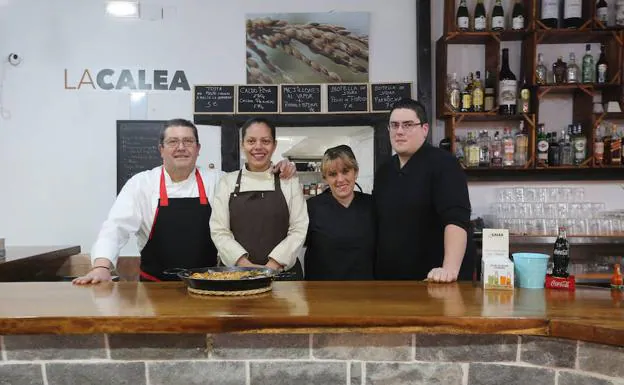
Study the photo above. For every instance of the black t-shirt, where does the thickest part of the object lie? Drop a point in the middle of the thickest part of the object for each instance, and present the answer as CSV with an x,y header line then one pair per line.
x,y
413,205
341,240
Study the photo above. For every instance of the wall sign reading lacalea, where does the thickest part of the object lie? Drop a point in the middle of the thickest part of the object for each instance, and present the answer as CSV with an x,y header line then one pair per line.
x,y
125,79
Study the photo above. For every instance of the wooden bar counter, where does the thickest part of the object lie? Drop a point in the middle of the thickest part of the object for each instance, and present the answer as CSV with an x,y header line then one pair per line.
x,y
318,332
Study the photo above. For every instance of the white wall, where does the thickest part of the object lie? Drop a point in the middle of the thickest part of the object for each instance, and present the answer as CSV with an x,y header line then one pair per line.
x,y
57,148
363,147
555,111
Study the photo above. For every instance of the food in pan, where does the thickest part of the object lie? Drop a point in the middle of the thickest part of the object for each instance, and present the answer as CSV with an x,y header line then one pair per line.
x,y
227,275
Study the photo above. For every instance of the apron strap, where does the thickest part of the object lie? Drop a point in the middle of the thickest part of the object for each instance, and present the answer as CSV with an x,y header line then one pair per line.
x,y
238,182
203,199
148,276
164,199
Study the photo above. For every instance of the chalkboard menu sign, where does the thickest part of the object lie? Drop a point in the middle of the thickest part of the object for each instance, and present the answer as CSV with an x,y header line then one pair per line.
x,y
214,99
342,98
384,95
258,99
137,148
301,98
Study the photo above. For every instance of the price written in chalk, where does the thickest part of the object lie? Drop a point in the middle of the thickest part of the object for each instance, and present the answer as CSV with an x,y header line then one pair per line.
x,y
301,98
258,99
342,98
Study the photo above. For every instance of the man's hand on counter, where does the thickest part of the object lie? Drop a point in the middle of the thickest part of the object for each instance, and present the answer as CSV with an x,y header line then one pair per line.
x,y
441,274
100,272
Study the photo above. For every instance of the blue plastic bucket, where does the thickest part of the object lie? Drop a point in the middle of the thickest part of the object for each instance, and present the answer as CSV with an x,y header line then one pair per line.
x,y
530,269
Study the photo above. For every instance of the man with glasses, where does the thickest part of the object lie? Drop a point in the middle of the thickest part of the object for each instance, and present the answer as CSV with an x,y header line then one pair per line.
x,y
422,205
167,208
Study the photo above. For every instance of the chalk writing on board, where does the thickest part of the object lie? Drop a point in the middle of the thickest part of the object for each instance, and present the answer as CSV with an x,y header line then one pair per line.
x,y
385,95
347,97
301,98
257,99
137,148
214,99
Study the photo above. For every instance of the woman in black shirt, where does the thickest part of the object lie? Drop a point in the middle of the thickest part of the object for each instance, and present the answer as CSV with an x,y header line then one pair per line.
x,y
341,233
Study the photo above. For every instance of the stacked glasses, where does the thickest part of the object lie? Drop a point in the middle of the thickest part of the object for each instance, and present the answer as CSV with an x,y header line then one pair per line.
x,y
541,210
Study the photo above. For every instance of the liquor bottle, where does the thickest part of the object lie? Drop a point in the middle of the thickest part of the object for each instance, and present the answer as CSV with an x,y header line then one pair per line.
x,y
602,68
542,146
598,147
561,254
616,146
554,155
572,13
579,145
619,13
459,150
550,13
471,151
498,17
606,140
497,151
477,93
507,87
601,12
484,148
525,98
541,72
454,94
572,70
565,149
466,97
463,17
522,146
588,65
517,16
488,99
480,17
559,71
508,148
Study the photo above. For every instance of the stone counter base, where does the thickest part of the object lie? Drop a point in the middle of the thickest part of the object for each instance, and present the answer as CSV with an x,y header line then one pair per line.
x,y
302,359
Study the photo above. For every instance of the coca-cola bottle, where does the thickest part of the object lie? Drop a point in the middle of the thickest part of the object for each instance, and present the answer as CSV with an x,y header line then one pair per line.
x,y
561,255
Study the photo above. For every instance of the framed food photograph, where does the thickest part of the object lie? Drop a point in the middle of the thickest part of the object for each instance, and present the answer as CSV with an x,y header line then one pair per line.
x,y
294,48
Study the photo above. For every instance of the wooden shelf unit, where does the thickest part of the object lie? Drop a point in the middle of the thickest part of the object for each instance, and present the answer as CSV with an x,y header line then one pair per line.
x,y
592,31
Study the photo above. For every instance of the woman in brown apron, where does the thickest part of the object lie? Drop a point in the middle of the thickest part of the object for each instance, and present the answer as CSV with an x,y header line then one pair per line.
x,y
257,218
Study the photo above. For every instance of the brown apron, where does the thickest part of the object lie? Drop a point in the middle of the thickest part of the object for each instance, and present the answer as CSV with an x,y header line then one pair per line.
x,y
259,221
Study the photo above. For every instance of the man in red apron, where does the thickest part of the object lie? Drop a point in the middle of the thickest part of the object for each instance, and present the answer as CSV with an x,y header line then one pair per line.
x,y
172,230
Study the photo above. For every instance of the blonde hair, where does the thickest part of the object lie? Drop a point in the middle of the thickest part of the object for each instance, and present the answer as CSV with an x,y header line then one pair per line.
x,y
342,152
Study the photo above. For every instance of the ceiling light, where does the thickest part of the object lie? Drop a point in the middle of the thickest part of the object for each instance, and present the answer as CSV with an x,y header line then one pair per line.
x,y
123,8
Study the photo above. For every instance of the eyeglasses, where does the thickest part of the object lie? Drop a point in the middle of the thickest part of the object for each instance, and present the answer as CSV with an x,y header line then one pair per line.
x,y
408,126
174,143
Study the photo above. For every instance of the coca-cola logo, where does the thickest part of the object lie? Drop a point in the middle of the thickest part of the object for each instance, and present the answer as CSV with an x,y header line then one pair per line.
x,y
560,284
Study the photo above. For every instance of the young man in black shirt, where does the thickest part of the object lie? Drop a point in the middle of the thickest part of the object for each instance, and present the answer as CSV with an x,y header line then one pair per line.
x,y
422,206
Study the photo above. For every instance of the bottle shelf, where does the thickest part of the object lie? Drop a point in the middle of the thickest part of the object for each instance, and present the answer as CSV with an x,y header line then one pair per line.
x,y
609,115
571,36
470,37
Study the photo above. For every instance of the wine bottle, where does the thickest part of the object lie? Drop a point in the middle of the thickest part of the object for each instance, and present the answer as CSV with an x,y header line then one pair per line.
x,y
550,13
480,18
517,16
588,65
507,87
463,18
602,68
572,13
619,13
498,17
601,12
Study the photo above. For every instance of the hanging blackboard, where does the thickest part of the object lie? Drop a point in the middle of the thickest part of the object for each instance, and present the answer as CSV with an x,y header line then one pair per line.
x,y
301,98
384,95
137,148
214,99
258,99
343,98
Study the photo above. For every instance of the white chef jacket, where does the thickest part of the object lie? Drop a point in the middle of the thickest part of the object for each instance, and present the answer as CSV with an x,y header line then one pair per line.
x,y
134,209
287,250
